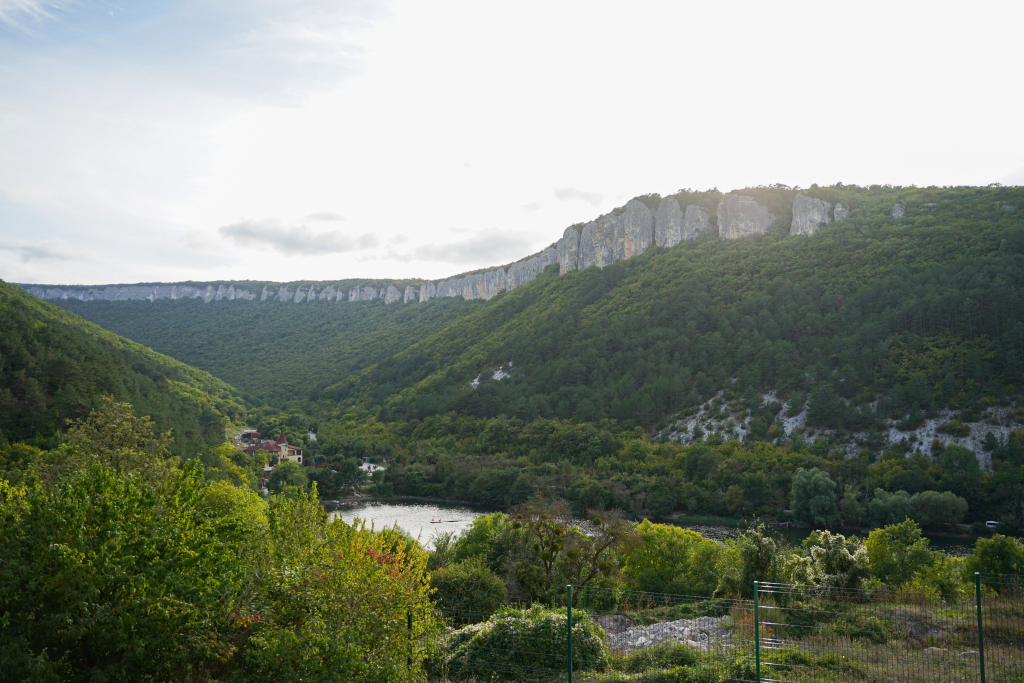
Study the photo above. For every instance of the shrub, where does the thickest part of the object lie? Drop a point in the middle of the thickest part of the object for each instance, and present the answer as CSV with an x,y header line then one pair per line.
x,y
997,555
662,656
514,643
944,578
468,587
955,428
897,552
673,560
833,561
754,556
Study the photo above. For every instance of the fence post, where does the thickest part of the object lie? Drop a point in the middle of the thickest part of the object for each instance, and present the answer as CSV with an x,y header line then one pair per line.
x,y
568,622
981,632
757,632
408,660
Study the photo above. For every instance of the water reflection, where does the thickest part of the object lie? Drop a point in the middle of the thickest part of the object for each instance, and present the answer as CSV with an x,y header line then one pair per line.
x,y
420,520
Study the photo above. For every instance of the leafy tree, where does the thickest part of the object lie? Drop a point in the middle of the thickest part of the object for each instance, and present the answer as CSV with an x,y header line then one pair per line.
x,y
754,556
672,560
552,552
997,555
897,552
814,498
932,508
890,508
287,474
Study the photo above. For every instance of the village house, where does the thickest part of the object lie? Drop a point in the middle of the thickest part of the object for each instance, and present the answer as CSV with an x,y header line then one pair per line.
x,y
281,448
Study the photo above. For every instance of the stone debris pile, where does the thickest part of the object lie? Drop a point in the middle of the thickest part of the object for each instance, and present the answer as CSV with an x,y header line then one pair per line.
x,y
702,633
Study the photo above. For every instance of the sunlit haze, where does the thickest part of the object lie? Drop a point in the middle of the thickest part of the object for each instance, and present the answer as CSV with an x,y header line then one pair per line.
x,y
320,139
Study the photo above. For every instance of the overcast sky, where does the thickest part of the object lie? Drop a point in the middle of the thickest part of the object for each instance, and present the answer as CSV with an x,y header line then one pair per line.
x,y
325,139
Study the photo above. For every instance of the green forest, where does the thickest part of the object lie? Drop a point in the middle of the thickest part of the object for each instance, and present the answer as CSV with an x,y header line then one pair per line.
x,y
143,550
54,366
866,327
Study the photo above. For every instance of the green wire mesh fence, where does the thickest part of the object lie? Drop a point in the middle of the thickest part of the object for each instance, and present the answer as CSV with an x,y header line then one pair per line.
x,y
787,633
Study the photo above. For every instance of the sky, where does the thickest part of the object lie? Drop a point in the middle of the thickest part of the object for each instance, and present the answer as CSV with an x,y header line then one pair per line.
x,y
164,141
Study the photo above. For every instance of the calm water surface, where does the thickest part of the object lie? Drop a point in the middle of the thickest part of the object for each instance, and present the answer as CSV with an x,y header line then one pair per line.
x,y
420,520
425,520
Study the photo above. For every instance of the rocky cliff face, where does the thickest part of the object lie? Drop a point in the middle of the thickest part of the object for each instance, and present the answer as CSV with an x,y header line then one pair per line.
x,y
672,225
899,212
809,214
601,242
637,231
740,216
568,251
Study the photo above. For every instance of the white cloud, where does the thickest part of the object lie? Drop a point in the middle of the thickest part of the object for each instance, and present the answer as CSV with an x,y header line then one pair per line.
x,y
134,134
292,240
483,248
47,250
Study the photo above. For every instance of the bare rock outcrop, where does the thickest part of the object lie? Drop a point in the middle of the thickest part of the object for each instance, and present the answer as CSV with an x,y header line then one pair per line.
x,y
740,216
521,272
637,226
809,214
696,222
899,212
568,251
597,242
840,212
428,291
668,223
672,225
391,294
411,294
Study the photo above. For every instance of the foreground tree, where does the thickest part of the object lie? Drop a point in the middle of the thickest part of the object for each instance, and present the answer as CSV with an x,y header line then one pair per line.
x,y
115,575
553,551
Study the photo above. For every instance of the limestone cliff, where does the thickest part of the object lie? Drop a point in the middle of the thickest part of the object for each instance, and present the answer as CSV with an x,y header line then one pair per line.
x,y
637,226
568,251
899,212
809,214
740,216
601,242
597,242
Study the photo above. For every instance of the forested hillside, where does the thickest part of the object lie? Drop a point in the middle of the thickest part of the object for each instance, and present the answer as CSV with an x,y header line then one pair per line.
x,y
879,335
55,365
274,352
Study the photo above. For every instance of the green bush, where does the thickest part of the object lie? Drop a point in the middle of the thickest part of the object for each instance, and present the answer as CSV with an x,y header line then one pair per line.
x,y
663,656
996,555
955,428
833,561
672,560
516,643
897,552
468,587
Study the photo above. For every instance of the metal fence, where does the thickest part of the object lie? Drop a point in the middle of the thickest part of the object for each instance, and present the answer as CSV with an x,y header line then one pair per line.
x,y
785,633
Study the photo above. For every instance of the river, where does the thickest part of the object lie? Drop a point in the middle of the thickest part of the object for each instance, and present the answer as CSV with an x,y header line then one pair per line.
x,y
425,520
419,520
